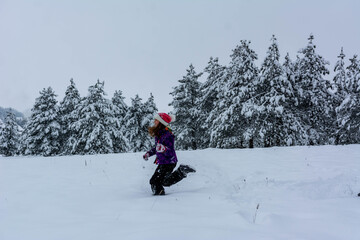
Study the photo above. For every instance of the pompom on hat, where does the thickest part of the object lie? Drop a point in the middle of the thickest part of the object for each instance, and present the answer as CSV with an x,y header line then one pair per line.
x,y
164,118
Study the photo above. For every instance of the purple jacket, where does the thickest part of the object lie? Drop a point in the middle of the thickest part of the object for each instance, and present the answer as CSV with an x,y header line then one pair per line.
x,y
168,156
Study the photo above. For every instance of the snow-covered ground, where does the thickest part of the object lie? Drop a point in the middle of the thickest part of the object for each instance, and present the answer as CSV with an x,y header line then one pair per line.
x,y
302,193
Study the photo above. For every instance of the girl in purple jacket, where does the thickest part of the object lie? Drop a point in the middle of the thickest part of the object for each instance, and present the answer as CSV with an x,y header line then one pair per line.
x,y
165,155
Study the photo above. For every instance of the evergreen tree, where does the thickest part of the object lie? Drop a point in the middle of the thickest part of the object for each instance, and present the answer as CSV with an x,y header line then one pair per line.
x,y
149,110
9,136
121,144
353,75
272,120
340,81
339,90
135,133
41,135
289,69
296,131
210,92
68,116
349,120
349,109
95,126
120,105
185,98
230,127
314,100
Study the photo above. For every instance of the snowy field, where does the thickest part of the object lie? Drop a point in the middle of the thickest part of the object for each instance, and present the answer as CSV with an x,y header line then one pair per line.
x,y
302,193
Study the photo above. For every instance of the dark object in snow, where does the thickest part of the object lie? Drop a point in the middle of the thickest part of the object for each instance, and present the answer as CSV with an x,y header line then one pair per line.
x,y
359,195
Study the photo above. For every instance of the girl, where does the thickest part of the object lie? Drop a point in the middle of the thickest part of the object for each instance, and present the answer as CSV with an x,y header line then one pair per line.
x,y
165,155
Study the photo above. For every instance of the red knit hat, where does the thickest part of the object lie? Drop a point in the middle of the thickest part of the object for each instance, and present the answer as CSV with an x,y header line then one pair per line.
x,y
164,118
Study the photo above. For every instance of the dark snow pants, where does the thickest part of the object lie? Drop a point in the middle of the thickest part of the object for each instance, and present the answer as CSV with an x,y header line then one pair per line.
x,y
164,176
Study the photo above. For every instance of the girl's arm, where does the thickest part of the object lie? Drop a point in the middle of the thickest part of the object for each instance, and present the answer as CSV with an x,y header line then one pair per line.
x,y
152,152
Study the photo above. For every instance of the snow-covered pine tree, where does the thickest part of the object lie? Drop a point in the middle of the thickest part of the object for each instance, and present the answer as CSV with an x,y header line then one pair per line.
x,y
41,135
210,92
68,116
120,105
289,72
230,127
135,133
340,79
312,93
9,136
120,143
353,75
149,110
272,119
339,90
296,134
96,123
349,109
185,98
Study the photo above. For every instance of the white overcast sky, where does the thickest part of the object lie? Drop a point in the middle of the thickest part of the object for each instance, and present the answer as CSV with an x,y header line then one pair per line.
x,y
145,46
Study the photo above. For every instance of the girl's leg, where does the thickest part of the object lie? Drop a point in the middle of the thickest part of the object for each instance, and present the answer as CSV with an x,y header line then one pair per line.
x,y
173,178
157,180
177,175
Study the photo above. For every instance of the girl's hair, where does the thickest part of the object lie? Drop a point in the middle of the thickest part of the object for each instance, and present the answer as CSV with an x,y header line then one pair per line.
x,y
154,131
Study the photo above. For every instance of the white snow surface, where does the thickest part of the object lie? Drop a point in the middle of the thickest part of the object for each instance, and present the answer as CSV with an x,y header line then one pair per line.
x,y
302,193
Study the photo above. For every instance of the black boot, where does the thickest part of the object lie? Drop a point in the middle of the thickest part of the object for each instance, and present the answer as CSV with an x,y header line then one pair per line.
x,y
185,169
157,190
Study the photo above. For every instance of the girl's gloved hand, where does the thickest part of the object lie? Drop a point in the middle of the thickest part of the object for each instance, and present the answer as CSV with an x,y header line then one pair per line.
x,y
160,148
146,156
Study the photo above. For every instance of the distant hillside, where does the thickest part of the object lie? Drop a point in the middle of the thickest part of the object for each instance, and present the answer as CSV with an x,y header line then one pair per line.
x,y
20,118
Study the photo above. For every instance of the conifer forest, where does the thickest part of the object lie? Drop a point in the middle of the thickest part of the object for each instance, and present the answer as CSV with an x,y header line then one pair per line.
x,y
281,102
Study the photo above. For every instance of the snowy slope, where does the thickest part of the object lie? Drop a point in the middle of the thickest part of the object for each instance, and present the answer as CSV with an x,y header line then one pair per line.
x,y
302,192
